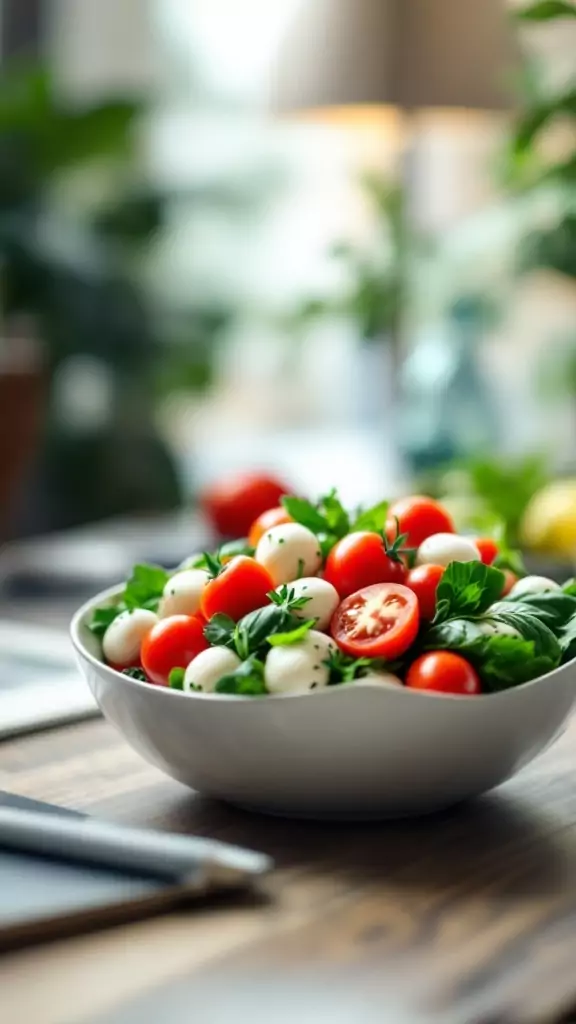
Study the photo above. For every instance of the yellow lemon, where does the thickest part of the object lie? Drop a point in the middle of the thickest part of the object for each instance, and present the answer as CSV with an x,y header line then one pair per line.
x,y
549,522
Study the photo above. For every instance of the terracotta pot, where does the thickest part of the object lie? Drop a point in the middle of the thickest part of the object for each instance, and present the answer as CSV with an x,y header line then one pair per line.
x,y
21,407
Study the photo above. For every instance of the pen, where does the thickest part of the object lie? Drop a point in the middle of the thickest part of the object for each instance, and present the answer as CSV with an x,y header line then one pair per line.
x,y
195,862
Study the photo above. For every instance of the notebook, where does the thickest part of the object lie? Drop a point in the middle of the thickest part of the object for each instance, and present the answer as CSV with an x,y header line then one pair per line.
x,y
43,898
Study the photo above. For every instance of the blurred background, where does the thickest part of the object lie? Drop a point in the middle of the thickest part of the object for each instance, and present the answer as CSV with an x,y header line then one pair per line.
x,y
335,241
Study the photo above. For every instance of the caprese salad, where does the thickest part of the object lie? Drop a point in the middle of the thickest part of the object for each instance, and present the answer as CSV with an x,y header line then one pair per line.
x,y
316,596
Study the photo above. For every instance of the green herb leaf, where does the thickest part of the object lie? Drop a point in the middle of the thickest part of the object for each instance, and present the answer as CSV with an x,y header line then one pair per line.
x,y
555,608
145,587
373,519
568,640
344,669
176,678
293,636
501,660
335,515
235,547
103,617
212,564
570,587
246,681
305,513
545,10
467,588
326,542
285,597
135,673
219,632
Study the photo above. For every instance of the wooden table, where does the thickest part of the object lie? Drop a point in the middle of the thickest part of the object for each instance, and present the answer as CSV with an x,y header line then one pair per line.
x,y
470,915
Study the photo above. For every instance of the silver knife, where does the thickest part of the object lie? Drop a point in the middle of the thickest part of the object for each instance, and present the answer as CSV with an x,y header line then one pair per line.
x,y
193,862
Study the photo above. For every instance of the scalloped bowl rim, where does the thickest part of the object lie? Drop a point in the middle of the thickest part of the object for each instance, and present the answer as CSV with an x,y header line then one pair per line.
x,y
78,624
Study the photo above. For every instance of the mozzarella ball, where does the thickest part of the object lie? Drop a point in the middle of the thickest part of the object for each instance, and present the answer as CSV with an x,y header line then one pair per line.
x,y
208,667
189,563
443,548
183,592
382,678
298,668
533,585
124,636
289,551
322,600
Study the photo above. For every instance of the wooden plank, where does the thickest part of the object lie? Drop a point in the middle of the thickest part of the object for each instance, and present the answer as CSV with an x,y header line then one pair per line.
x,y
478,905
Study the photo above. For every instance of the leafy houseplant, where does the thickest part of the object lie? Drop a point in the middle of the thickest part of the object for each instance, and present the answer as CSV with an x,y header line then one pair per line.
x,y
74,274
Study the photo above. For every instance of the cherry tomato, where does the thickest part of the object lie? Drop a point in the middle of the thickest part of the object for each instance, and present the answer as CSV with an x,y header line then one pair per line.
x,y
360,559
380,621
241,587
510,578
234,504
424,580
488,549
443,672
419,518
172,643
272,517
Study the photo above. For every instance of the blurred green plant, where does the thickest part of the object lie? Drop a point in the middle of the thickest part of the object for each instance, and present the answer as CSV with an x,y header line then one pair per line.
x,y
554,245
375,293
77,278
490,495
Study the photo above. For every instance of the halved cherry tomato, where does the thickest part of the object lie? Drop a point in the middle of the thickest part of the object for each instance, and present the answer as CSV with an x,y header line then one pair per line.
x,y
443,672
418,517
273,517
241,587
380,621
233,504
424,580
172,643
510,578
488,549
360,559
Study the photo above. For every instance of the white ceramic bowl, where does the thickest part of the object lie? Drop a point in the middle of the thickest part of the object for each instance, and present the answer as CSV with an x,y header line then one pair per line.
x,y
355,751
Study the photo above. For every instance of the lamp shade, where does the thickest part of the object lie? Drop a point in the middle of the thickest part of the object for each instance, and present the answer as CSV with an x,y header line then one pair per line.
x,y
409,53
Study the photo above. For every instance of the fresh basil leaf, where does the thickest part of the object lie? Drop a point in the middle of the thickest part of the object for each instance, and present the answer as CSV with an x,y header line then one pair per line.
x,y
103,617
253,631
135,673
467,588
335,515
326,541
373,519
219,632
176,678
568,640
501,660
570,587
145,586
554,607
293,636
246,681
305,513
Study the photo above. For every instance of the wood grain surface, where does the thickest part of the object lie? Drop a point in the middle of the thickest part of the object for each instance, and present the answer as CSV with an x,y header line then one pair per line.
x,y
472,913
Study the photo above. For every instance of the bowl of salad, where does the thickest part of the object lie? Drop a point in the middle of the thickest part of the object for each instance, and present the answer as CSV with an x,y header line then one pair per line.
x,y
337,665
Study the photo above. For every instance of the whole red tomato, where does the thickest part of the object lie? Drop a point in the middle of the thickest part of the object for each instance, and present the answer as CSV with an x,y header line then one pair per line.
x,y
424,580
172,643
359,560
488,549
276,516
418,517
233,504
241,587
443,672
